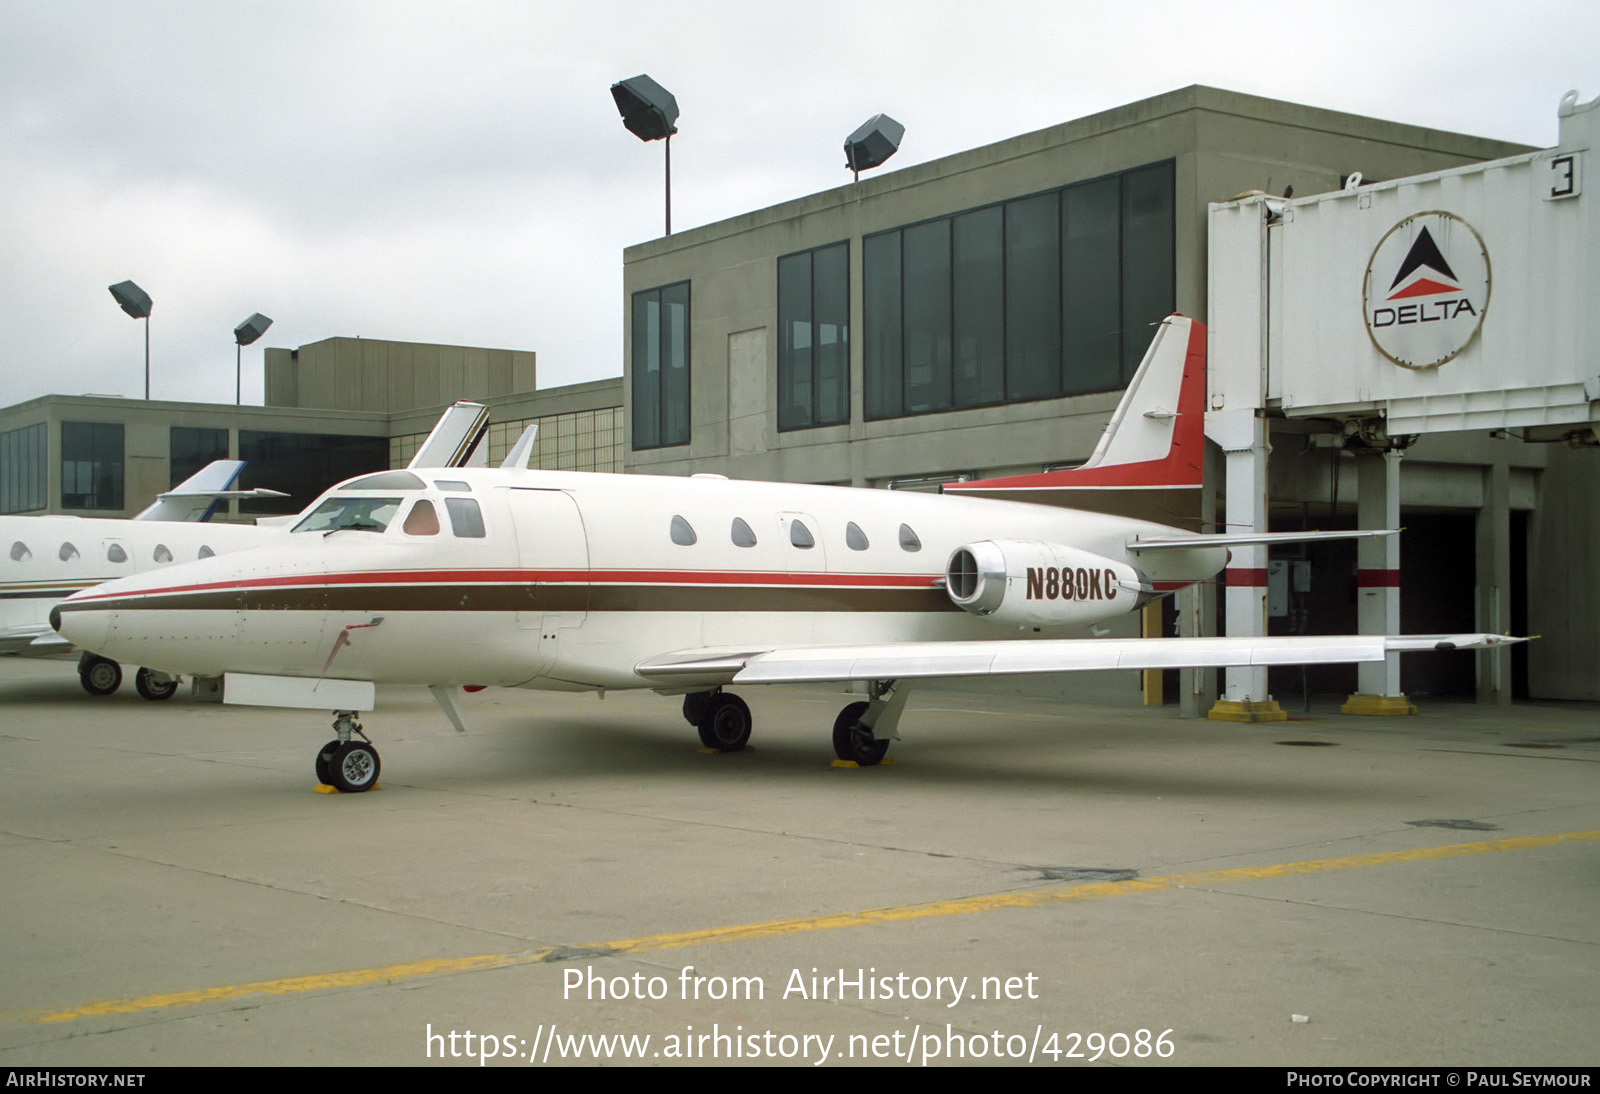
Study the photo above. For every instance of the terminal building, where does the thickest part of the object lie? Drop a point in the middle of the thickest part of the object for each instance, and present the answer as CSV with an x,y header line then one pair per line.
x,y
964,318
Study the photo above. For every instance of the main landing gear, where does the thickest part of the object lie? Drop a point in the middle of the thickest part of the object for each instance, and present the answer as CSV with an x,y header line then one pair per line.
x,y
346,765
861,733
103,676
722,719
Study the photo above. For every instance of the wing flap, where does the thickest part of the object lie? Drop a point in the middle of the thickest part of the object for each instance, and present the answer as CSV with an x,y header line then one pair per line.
x,y
924,660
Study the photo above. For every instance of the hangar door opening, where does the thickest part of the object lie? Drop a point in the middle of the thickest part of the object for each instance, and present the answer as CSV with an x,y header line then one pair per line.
x,y
1314,591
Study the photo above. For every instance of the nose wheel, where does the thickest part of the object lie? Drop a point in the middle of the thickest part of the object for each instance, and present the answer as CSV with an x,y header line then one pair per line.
x,y
99,675
347,765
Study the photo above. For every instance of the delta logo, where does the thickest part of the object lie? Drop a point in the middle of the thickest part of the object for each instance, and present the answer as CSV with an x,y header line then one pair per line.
x,y
1427,288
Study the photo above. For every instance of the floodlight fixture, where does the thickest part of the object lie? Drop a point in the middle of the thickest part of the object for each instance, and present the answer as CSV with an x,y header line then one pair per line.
x,y
650,112
875,141
136,302
243,335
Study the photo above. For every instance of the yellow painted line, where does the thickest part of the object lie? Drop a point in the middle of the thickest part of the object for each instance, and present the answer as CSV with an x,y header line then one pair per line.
x,y
1036,898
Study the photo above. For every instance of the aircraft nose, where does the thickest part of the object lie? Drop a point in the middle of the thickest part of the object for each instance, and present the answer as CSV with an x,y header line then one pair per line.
x,y
84,629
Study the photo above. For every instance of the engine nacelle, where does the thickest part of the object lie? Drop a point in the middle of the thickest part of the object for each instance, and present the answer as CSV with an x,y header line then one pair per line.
x,y
1032,584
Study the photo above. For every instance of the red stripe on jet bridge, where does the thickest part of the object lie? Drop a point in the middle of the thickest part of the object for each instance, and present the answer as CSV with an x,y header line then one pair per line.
x,y
1245,577
1378,579
547,577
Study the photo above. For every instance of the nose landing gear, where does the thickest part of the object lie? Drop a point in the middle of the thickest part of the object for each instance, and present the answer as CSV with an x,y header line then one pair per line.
x,y
346,765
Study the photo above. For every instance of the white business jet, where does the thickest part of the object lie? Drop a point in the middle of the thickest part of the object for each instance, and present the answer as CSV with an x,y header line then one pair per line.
x,y
46,558
586,582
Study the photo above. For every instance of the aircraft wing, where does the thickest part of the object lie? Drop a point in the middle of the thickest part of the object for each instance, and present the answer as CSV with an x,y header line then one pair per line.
x,y
921,660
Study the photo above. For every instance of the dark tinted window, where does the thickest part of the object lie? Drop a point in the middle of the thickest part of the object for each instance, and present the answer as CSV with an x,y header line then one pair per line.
x,y
660,359
814,337
91,465
1048,295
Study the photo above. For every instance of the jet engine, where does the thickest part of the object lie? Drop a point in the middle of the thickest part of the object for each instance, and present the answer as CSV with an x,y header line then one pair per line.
x,y
1033,584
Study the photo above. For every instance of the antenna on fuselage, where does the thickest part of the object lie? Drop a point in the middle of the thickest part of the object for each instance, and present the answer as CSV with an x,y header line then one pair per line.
x,y
522,451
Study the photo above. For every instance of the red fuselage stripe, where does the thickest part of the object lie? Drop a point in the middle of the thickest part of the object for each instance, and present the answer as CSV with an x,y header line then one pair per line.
x,y
549,577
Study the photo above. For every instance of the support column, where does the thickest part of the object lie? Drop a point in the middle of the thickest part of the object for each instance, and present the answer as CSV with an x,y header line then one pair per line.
x,y
1494,582
1378,584
1244,695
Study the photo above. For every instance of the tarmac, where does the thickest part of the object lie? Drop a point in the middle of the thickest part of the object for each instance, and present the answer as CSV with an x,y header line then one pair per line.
x,y
576,881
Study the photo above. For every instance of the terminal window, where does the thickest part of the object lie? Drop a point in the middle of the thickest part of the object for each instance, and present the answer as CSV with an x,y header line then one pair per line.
x,y
91,465
814,338
22,469
1035,298
660,357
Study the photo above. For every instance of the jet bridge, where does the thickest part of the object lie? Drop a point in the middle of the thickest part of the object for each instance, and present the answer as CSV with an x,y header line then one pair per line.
x,y
1456,300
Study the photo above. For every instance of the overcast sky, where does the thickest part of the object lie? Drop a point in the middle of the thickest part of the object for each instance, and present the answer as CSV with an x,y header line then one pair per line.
x,y
456,172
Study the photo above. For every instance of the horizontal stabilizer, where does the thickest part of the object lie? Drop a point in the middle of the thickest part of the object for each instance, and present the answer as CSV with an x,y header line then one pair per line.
x,y
1247,539
195,498
923,660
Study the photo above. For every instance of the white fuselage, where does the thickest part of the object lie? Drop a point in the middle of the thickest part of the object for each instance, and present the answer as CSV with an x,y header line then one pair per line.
x,y
568,580
44,559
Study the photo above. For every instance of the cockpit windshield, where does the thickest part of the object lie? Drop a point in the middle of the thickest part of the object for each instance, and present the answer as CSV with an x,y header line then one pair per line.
x,y
337,514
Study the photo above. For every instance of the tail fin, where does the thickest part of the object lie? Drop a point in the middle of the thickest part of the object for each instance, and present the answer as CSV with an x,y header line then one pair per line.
x,y
452,443
1150,461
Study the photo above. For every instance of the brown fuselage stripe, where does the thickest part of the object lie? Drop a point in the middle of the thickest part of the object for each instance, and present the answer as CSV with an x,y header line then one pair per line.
x,y
535,598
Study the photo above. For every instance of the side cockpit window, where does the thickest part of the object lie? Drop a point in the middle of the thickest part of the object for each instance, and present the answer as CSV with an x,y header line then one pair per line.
x,y
422,520
466,521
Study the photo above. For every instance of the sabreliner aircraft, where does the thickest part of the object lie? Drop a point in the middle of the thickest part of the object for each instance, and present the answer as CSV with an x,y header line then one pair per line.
x,y
49,557
586,582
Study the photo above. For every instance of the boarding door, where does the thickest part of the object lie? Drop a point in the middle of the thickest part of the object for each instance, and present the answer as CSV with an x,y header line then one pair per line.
x,y
553,554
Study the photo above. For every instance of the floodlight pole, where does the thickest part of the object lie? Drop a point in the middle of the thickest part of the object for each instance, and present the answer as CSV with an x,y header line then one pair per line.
x,y
669,183
238,374
147,358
